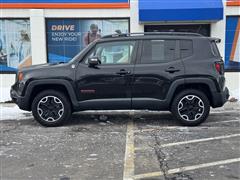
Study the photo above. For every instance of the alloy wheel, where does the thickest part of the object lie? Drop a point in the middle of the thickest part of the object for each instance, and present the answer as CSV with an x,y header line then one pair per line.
x,y
191,108
50,108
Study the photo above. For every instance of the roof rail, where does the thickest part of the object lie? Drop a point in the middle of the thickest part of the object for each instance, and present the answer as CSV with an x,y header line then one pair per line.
x,y
151,33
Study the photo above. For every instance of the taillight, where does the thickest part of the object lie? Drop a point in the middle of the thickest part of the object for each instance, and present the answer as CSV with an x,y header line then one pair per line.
x,y
219,67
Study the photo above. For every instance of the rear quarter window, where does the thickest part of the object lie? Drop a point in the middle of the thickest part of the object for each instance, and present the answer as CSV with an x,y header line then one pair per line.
x,y
215,50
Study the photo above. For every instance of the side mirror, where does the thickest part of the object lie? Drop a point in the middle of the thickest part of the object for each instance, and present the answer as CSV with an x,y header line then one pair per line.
x,y
93,61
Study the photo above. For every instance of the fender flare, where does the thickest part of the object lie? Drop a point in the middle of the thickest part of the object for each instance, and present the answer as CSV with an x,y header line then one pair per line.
x,y
67,84
193,80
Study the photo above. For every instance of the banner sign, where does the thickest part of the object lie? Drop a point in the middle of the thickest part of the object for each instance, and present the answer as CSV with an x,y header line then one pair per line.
x,y
63,4
15,44
232,43
67,37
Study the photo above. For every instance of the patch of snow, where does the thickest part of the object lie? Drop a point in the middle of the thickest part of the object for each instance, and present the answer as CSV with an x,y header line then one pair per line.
x,y
5,94
12,112
93,155
235,93
92,159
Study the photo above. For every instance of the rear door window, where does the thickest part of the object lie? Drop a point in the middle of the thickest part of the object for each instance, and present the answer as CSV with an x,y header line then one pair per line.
x,y
186,48
158,51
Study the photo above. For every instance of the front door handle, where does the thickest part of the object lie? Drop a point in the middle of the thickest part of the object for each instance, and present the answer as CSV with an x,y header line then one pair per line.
x,y
172,70
123,72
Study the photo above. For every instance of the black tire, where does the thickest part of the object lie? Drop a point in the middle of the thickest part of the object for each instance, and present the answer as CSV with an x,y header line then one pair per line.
x,y
190,112
51,108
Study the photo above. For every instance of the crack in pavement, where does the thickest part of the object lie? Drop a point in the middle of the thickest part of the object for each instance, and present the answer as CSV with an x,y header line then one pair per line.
x,y
163,163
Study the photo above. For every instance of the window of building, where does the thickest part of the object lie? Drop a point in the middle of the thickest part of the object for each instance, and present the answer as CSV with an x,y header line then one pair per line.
x,y
15,44
158,51
203,29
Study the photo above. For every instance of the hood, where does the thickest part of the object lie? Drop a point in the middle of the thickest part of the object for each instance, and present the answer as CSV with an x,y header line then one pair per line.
x,y
43,66
49,70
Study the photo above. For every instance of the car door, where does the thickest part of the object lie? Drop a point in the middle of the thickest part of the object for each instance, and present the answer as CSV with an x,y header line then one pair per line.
x,y
158,65
108,85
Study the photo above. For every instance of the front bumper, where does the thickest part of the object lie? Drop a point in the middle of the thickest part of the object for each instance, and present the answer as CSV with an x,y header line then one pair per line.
x,y
21,101
220,98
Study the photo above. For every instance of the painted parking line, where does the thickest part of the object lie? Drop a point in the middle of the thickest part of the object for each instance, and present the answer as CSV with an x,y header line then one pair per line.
x,y
218,122
160,128
182,127
192,141
224,111
128,171
187,168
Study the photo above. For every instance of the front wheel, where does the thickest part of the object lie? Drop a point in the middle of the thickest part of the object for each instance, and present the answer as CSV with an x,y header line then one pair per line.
x,y
51,108
191,107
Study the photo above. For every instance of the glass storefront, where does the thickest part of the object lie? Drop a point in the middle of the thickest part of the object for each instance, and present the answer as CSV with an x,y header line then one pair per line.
x,y
15,44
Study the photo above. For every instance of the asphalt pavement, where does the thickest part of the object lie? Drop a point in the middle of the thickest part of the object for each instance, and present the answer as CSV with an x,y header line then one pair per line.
x,y
122,145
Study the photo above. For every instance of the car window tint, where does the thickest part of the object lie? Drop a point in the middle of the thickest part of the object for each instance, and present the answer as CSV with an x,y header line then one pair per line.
x,y
186,48
113,52
158,51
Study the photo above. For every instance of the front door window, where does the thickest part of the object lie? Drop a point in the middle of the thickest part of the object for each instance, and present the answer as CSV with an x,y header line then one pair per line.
x,y
113,52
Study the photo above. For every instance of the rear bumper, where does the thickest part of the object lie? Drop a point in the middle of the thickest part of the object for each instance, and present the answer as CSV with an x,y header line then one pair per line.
x,y
19,100
219,99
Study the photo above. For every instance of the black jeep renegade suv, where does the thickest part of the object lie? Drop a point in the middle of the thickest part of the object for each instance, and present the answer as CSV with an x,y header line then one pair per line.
x,y
179,72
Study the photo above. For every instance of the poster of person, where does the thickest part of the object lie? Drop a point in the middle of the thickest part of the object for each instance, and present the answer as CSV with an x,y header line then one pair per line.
x,y
15,44
67,37
232,44
91,35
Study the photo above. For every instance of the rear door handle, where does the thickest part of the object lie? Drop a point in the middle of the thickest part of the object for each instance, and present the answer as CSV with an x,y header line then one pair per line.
x,y
123,72
172,70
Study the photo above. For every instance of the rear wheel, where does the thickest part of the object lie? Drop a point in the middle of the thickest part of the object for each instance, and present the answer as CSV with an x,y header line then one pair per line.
x,y
51,108
191,107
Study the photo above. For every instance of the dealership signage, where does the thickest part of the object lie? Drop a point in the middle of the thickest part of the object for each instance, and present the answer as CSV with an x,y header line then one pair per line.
x,y
67,37
73,4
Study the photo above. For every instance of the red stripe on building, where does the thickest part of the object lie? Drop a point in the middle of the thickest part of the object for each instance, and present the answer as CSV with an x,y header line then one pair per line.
x,y
63,5
233,3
